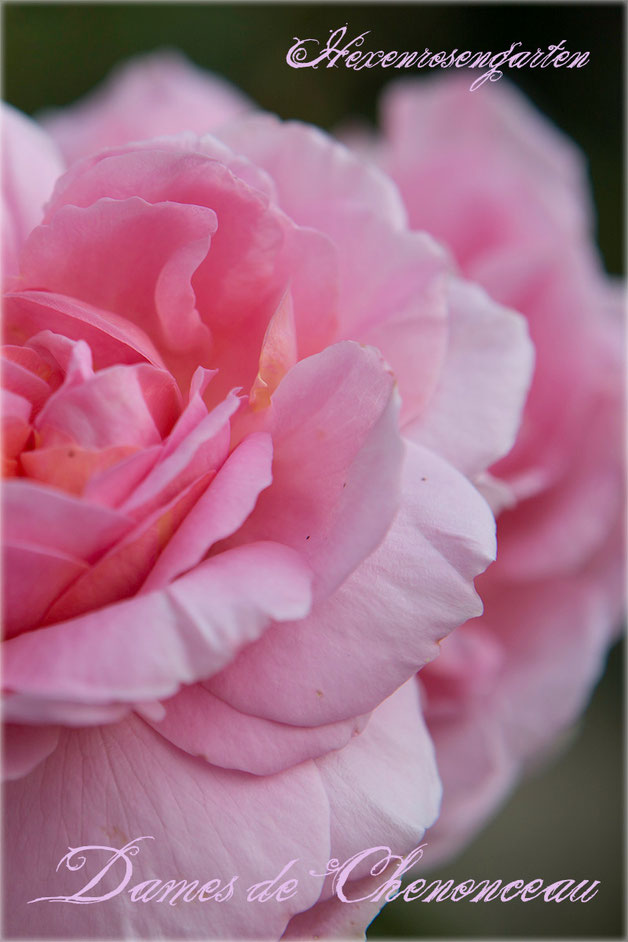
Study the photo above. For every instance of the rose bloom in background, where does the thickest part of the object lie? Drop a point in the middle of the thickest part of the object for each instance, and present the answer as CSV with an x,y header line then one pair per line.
x,y
234,535
507,194
518,220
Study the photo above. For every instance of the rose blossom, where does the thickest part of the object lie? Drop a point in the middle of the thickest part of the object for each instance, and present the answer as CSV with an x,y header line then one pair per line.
x,y
231,536
518,220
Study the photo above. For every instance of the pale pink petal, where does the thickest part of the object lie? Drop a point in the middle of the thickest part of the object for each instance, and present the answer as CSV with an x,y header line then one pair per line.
x,y
310,266
220,511
383,786
384,792
24,599
485,732
205,726
195,409
477,770
72,358
568,619
112,486
184,459
312,172
337,450
122,570
144,648
147,96
333,919
29,359
497,494
557,289
52,520
247,232
54,535
392,611
32,710
278,353
256,253
510,153
474,415
24,382
518,220
122,405
205,823
389,292
130,257
30,167
393,296
560,529
467,667
112,339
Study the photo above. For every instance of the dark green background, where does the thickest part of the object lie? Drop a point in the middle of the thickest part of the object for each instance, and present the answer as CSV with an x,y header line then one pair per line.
x,y
568,820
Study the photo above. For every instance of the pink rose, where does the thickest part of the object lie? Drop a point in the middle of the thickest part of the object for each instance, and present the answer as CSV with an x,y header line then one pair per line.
x,y
231,534
518,219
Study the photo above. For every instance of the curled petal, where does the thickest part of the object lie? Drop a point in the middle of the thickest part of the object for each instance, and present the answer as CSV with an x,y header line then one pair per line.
x,y
337,450
392,611
197,721
474,414
144,648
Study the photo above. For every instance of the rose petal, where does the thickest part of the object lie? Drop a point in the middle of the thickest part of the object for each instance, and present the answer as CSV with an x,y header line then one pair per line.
x,y
336,450
205,824
387,291
220,511
30,166
45,517
16,427
130,257
257,251
560,529
24,747
112,339
311,171
205,726
120,572
474,415
123,405
147,96
25,599
428,126
392,611
384,787
23,382
483,740
70,468
145,647
184,459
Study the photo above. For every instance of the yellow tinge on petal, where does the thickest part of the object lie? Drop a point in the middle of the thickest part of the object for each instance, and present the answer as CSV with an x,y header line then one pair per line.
x,y
278,354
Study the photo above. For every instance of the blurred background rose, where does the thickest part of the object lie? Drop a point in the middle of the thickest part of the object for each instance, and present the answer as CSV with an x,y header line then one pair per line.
x,y
567,821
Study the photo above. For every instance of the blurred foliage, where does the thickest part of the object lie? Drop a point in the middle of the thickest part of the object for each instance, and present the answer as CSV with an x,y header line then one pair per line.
x,y
54,53
568,821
